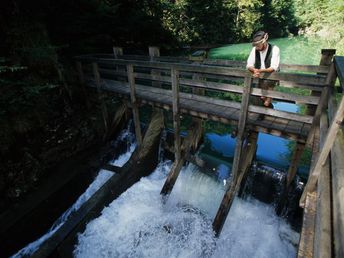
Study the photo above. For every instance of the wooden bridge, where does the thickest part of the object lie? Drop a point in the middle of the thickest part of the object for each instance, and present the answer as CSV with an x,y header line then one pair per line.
x,y
185,86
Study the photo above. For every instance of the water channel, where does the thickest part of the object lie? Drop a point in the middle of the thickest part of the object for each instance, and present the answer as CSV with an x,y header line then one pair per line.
x,y
138,224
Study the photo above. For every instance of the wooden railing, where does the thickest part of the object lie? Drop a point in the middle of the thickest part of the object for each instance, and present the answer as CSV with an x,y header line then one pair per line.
x,y
323,198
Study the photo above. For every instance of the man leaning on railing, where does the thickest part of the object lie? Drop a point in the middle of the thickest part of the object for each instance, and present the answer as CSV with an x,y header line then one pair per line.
x,y
264,58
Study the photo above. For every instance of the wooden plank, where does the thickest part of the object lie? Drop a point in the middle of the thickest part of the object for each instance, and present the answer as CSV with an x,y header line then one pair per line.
x,y
305,249
283,67
337,183
131,80
323,229
337,165
195,108
100,96
288,77
330,138
228,197
112,168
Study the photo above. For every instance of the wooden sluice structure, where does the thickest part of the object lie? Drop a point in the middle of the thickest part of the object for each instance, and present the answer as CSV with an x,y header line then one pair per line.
x,y
186,87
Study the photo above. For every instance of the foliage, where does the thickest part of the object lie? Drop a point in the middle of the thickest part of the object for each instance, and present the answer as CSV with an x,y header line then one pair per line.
x,y
322,19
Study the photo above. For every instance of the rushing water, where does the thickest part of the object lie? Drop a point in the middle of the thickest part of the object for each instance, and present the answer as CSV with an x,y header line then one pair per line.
x,y
138,224
101,178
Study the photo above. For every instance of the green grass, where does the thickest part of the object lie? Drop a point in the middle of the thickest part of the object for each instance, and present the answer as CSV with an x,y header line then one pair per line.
x,y
294,50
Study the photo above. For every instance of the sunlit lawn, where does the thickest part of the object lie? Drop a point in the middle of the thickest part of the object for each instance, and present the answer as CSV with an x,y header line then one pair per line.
x,y
295,50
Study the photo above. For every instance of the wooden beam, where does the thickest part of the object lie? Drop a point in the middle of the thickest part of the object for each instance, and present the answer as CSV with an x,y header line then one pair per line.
x,y
305,249
176,115
298,151
299,79
321,159
191,141
131,80
100,96
228,197
323,217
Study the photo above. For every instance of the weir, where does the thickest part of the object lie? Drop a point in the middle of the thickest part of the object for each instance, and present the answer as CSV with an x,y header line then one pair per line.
x,y
165,82
183,86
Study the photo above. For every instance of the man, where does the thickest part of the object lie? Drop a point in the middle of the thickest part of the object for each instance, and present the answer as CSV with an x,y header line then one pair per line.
x,y
264,58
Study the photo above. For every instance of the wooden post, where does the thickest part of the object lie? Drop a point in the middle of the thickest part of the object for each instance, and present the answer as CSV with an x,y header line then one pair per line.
x,y
131,80
228,197
117,52
326,59
299,148
191,140
100,96
176,117
155,52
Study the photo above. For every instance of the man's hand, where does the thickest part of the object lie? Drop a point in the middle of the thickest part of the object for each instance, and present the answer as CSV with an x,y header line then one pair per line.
x,y
256,73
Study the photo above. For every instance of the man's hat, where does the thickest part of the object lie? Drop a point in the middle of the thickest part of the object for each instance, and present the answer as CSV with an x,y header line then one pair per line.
x,y
259,37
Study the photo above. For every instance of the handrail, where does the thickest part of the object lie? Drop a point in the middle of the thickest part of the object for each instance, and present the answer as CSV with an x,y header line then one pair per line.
x,y
299,79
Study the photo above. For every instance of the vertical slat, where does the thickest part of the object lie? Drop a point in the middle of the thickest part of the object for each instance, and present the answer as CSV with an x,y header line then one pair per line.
x,y
228,197
131,80
100,96
175,108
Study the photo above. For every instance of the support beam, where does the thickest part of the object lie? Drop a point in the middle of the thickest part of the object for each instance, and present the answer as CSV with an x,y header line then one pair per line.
x,y
299,148
131,80
100,96
190,142
232,187
176,117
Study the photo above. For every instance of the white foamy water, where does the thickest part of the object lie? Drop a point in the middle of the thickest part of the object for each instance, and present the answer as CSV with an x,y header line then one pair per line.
x,y
138,224
102,177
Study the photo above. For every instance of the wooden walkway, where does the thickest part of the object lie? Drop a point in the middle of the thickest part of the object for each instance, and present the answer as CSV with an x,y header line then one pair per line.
x,y
184,87
112,75
293,127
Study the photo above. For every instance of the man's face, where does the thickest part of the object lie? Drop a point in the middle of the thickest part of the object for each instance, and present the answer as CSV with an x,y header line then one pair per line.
x,y
261,47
